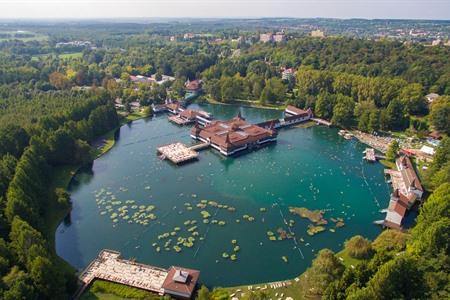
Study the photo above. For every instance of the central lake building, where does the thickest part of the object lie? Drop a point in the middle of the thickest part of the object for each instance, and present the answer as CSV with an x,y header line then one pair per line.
x,y
232,136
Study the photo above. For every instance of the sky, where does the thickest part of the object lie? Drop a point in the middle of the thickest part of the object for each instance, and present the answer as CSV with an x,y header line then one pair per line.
x,y
88,9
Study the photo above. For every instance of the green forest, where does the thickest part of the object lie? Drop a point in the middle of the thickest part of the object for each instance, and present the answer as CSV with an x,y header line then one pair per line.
x,y
56,101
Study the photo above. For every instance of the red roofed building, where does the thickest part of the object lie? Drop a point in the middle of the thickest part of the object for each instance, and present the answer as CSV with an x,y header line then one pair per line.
x,y
407,190
411,180
193,86
181,282
295,111
230,137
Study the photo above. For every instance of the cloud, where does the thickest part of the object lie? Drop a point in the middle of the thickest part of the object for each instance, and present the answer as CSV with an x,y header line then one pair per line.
x,y
418,9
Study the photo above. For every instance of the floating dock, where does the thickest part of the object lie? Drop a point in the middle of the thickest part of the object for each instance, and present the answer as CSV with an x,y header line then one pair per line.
x,y
109,266
370,155
177,153
179,120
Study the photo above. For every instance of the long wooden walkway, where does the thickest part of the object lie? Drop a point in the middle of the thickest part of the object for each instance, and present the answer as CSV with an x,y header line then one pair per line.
x,y
200,146
322,121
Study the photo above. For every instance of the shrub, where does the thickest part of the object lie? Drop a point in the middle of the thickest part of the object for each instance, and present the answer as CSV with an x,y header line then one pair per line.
x,y
358,247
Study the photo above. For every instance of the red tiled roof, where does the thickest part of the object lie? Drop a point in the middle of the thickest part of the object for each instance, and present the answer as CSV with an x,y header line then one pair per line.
x,y
436,135
297,111
189,114
233,133
173,106
172,283
408,173
193,85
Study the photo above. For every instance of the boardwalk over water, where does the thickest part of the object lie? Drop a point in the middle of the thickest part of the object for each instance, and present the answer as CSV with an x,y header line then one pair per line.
x,y
321,122
109,266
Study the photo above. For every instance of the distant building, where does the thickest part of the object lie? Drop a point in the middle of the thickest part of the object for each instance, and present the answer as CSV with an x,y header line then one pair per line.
x,y
265,37
279,37
173,38
141,79
436,42
318,33
431,97
269,37
188,36
193,86
288,74
151,79
74,44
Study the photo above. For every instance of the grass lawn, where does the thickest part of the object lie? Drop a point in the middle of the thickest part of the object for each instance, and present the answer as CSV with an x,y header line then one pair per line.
x,y
347,260
388,164
36,36
105,290
294,290
250,103
74,55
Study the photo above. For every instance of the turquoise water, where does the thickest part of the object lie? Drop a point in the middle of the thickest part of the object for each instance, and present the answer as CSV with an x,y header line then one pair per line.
x,y
308,167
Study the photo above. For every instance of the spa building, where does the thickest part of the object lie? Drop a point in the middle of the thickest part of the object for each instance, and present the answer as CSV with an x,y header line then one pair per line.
x,y
232,136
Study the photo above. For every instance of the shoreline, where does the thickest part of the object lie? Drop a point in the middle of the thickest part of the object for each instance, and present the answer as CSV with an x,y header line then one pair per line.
x,y
61,178
243,103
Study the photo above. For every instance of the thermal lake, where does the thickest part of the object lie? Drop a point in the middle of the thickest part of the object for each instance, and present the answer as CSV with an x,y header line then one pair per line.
x,y
131,201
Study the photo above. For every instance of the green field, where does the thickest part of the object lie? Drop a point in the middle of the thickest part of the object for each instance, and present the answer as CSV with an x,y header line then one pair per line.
x,y
74,55
36,36
105,290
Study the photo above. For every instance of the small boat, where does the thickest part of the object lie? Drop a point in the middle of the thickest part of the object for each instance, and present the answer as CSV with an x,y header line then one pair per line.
x,y
348,136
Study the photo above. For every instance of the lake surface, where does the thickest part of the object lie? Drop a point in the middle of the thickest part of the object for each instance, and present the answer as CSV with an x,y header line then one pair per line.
x,y
130,197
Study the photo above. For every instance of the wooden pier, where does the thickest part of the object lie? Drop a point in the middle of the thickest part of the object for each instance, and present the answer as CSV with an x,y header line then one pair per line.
x,y
109,266
177,153
321,121
180,121
370,155
200,146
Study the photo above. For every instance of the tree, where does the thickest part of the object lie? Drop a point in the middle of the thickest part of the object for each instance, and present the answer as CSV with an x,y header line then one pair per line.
x,y
325,269
13,140
392,151
358,247
47,279
324,105
391,240
343,111
431,235
274,91
374,121
399,278
413,98
230,89
440,114
203,293
7,168
213,88
147,111
18,285
26,241
396,119
59,81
